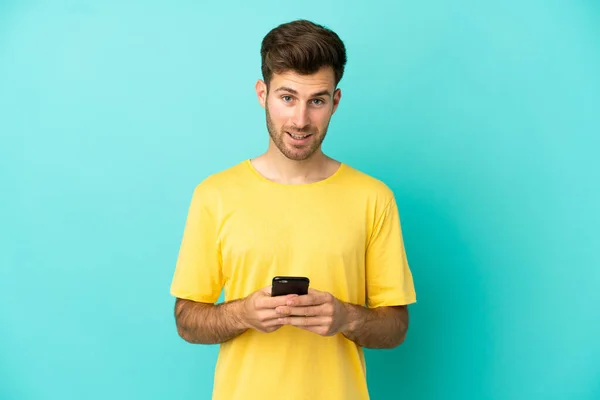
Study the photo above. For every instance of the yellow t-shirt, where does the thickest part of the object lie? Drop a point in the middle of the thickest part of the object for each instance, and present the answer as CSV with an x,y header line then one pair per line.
x,y
343,233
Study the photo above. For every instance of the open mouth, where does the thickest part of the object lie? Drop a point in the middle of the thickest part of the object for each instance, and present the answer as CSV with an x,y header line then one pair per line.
x,y
298,137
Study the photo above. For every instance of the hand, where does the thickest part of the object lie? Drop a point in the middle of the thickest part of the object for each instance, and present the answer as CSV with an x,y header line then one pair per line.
x,y
317,312
258,310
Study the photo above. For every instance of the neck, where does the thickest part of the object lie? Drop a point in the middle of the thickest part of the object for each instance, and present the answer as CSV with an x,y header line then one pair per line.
x,y
276,167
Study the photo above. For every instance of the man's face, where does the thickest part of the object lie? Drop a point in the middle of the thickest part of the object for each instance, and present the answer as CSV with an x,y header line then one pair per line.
x,y
298,110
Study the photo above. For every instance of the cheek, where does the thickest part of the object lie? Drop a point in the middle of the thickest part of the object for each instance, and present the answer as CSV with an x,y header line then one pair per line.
x,y
279,110
321,118
279,114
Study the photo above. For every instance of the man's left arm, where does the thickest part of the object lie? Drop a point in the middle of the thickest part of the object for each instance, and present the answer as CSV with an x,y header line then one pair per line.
x,y
376,328
323,314
389,289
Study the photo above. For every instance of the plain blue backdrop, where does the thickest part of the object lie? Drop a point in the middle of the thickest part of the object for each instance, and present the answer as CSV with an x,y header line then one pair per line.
x,y
483,117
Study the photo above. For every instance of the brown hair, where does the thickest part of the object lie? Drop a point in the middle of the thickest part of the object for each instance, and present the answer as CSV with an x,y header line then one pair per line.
x,y
304,47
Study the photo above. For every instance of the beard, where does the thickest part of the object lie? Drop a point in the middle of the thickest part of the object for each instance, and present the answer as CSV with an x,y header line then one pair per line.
x,y
300,152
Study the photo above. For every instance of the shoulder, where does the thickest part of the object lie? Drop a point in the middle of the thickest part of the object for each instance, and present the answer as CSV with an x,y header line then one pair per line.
x,y
217,182
366,183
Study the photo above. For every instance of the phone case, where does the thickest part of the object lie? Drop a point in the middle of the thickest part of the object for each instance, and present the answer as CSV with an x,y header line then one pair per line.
x,y
284,285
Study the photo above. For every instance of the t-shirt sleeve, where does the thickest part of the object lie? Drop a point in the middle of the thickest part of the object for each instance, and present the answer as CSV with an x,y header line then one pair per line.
x,y
198,274
389,279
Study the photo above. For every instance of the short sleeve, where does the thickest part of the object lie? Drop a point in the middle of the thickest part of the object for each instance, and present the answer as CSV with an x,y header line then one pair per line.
x,y
389,279
198,273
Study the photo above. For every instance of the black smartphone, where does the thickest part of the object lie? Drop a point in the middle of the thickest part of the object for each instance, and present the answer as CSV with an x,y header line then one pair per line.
x,y
283,285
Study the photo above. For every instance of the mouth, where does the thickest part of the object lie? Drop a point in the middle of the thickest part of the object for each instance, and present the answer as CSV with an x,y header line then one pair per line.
x,y
298,137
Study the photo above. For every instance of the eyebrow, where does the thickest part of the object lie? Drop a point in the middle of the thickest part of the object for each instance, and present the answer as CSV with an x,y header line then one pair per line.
x,y
292,91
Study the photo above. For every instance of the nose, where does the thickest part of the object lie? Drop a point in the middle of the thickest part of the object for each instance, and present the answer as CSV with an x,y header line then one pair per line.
x,y
301,118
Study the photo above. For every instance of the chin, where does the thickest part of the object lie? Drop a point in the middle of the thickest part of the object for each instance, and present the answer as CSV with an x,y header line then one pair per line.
x,y
296,155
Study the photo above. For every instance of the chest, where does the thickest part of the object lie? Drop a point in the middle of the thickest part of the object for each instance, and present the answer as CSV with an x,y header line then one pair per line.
x,y
324,240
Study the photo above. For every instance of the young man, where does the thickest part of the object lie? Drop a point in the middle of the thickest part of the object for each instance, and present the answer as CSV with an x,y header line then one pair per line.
x,y
293,211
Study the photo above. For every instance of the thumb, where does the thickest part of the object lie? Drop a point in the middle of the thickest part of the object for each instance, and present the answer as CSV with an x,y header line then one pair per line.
x,y
266,290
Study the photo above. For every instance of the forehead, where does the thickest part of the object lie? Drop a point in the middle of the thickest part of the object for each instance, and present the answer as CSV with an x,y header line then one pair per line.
x,y
322,80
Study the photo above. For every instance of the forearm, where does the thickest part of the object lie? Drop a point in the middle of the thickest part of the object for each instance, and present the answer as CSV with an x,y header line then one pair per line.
x,y
377,328
203,323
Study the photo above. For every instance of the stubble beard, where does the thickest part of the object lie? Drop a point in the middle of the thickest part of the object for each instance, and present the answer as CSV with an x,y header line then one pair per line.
x,y
292,152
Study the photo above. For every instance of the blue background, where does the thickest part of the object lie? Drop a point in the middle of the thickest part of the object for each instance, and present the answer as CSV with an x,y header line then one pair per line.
x,y
483,117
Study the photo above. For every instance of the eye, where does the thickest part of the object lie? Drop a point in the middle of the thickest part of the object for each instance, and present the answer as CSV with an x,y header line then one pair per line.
x,y
286,98
318,102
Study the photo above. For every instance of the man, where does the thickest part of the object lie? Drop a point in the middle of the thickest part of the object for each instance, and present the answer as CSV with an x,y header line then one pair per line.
x,y
293,211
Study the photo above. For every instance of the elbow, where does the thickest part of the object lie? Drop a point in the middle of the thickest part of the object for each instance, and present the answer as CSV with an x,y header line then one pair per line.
x,y
397,338
400,339
395,341
181,317
387,343
402,331
183,334
401,327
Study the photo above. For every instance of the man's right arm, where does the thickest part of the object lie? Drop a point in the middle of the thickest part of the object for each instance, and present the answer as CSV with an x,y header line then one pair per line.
x,y
204,323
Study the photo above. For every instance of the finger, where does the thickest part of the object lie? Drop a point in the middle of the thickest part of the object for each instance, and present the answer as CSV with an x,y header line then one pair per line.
x,y
268,302
308,311
267,290
273,322
319,330
268,317
270,329
311,299
305,321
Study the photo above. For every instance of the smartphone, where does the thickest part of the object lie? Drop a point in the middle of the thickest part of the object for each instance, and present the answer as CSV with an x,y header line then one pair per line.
x,y
283,285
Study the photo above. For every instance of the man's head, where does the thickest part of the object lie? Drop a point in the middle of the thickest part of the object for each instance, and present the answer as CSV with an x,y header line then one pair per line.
x,y
302,64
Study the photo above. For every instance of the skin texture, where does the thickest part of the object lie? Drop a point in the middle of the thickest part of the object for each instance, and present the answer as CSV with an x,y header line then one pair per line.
x,y
301,105
212,324
323,314
297,104
317,312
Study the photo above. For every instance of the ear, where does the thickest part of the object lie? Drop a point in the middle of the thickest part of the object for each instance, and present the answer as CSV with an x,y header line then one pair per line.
x,y
261,92
337,96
